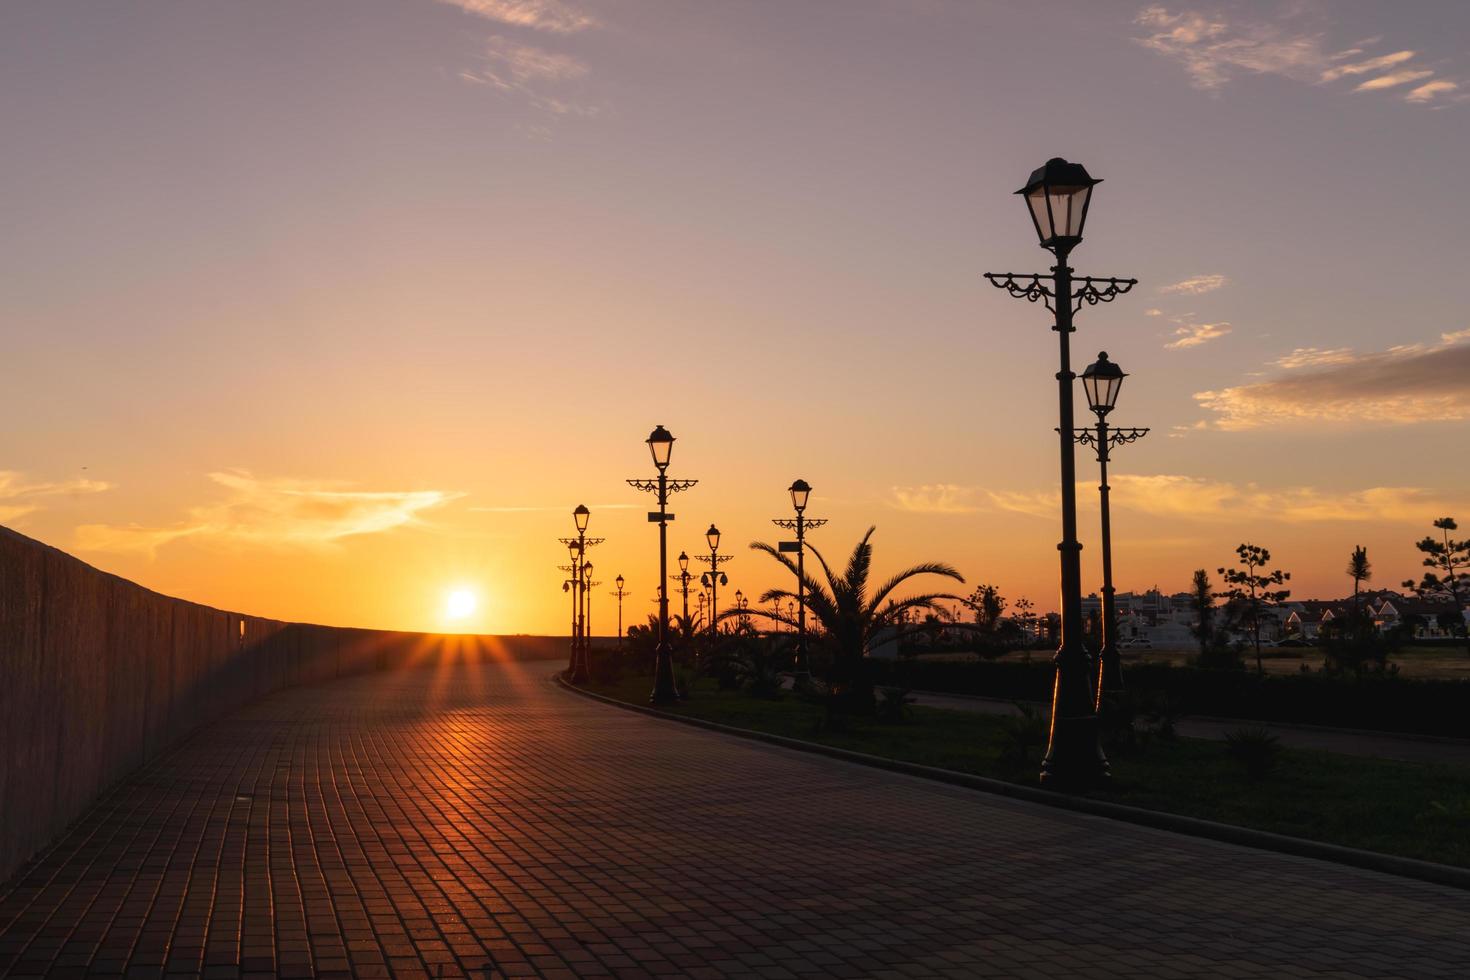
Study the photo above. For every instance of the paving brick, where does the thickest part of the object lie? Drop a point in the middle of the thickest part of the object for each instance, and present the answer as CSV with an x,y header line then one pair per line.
x,y
451,820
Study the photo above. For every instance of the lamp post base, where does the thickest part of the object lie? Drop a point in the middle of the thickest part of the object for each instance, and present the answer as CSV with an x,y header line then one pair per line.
x,y
665,690
1075,760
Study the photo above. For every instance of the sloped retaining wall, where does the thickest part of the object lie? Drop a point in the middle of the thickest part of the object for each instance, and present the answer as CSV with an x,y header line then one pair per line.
x,y
98,675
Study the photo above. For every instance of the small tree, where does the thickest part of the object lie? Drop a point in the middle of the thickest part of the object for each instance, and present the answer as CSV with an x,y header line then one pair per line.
x,y
1202,601
1359,570
1249,590
1448,561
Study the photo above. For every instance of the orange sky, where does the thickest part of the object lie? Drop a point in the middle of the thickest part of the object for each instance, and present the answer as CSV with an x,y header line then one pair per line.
x,y
325,311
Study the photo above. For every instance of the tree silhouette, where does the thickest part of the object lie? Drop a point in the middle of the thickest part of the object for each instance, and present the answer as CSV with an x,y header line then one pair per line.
x,y
848,612
1249,589
1359,570
1448,561
1202,601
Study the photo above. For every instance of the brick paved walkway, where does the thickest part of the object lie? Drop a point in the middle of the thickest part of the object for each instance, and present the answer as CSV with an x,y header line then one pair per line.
x,y
434,821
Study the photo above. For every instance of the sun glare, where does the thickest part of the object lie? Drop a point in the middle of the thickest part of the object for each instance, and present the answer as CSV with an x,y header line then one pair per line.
x,y
459,604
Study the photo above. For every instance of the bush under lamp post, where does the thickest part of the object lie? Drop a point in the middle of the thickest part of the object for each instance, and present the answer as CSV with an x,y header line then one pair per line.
x,y
1058,196
801,492
661,448
1102,380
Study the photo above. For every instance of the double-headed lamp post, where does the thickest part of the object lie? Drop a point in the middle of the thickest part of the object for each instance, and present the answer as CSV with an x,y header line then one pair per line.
x,y
661,448
621,594
1058,196
580,674
714,578
578,548
1102,380
801,492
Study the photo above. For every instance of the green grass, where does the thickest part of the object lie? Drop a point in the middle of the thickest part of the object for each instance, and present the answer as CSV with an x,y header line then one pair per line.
x,y
1417,811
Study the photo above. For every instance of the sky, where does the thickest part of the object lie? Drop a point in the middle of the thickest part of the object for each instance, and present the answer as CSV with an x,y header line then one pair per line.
x,y
330,310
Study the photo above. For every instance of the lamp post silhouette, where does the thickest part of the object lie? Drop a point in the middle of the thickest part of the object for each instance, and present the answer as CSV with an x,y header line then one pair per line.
x,y
714,578
582,674
683,579
621,593
1102,380
578,547
661,448
801,492
1058,196
703,601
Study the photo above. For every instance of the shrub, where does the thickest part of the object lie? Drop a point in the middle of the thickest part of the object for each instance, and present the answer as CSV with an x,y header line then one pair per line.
x,y
1257,750
893,705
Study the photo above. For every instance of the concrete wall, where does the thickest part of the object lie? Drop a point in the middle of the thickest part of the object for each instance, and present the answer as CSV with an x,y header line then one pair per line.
x,y
98,675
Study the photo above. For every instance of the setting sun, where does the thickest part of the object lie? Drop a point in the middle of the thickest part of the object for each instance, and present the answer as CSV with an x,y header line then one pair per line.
x,y
459,604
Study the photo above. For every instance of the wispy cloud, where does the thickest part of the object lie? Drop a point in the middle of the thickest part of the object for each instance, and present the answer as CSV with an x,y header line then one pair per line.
x,y
1193,334
1196,285
547,510
19,497
1213,50
273,513
1203,500
1393,79
934,498
532,72
1429,92
1401,385
542,15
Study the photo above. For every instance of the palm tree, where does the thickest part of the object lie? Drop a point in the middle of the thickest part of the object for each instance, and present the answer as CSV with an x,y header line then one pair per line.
x,y
848,612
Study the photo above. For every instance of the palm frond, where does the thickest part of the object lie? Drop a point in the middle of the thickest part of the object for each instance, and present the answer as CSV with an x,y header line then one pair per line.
x,y
924,568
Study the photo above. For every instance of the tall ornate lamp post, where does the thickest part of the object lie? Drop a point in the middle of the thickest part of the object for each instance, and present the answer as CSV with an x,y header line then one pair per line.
x,y
801,492
714,578
578,547
1102,380
621,593
1058,195
683,579
661,447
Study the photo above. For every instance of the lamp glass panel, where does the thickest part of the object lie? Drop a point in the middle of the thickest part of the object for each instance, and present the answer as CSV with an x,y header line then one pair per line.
x,y
1036,200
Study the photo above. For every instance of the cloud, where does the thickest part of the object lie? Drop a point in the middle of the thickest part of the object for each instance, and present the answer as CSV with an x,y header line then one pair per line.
x,y
19,498
934,498
1194,334
1400,386
543,15
1390,81
547,510
1208,501
527,70
1314,357
273,513
1196,285
1363,67
1213,51
1427,93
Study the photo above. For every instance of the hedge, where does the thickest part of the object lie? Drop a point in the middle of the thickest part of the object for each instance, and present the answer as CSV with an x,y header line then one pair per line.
x,y
1390,704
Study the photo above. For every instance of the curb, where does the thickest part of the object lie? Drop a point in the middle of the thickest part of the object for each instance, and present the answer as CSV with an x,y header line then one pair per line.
x,y
1438,874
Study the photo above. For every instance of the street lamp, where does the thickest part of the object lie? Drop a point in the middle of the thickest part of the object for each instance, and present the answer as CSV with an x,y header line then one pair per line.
x,y
581,675
1058,196
801,492
621,593
683,579
714,578
1102,380
577,669
661,448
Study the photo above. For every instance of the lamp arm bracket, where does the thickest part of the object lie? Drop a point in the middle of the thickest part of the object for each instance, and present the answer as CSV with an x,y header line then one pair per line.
x,y
807,523
651,486
715,560
1094,290
1024,285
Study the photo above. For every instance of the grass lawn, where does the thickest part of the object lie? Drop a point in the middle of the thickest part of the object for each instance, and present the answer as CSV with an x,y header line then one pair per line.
x,y
1391,807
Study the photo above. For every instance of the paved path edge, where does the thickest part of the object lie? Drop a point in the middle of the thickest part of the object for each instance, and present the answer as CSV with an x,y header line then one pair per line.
x,y
1439,874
